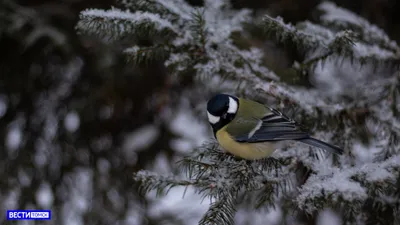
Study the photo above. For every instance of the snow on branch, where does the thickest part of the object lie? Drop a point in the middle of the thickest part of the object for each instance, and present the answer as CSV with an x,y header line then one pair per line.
x,y
202,37
342,33
203,47
146,5
140,55
309,36
371,45
115,24
225,174
336,187
162,184
220,212
223,178
331,50
287,33
345,19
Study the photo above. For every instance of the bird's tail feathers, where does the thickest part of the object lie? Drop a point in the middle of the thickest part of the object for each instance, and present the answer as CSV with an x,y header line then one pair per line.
x,y
320,144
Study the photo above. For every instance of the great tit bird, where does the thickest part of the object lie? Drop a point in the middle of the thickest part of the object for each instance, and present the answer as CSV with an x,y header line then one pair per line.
x,y
250,130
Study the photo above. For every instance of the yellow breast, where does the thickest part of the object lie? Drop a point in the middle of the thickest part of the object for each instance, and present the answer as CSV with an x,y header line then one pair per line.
x,y
250,151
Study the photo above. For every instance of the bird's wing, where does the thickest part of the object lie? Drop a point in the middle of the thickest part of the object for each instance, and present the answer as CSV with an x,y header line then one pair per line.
x,y
274,126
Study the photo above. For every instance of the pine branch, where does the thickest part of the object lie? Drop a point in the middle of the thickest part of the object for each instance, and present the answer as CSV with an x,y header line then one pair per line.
x,y
221,177
139,55
222,173
381,200
28,26
351,188
392,146
348,43
221,212
318,33
394,96
342,43
342,19
267,196
146,6
287,34
198,28
200,45
162,184
225,174
114,24
345,45
199,41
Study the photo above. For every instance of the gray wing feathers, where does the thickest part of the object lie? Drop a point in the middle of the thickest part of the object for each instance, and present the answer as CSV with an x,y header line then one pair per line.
x,y
278,127
275,127
273,136
320,144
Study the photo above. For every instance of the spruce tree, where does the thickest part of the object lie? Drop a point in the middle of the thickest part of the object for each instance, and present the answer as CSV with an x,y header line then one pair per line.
x,y
352,100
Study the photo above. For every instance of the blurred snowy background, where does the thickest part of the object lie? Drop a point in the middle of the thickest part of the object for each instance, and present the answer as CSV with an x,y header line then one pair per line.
x,y
76,120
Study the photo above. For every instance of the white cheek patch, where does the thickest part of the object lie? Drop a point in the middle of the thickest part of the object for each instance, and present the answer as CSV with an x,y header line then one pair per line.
x,y
213,119
233,106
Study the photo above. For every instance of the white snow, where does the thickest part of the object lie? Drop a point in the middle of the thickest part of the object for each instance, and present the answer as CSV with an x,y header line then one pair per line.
x,y
192,205
289,27
259,217
308,100
191,130
132,50
130,17
103,165
137,141
44,196
315,32
115,198
364,153
175,58
179,7
328,217
334,182
220,22
13,138
324,80
72,121
337,15
10,200
79,185
181,145
334,80
134,215
141,138
339,183
161,165
363,50
335,83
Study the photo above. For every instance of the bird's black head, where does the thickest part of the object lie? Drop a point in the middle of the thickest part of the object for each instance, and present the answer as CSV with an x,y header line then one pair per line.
x,y
221,109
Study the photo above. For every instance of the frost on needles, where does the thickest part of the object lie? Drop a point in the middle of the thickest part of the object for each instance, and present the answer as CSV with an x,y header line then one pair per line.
x,y
362,185
188,39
